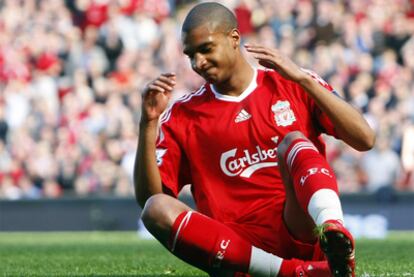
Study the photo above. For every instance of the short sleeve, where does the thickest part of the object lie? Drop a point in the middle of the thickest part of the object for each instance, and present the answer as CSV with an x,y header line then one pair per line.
x,y
171,159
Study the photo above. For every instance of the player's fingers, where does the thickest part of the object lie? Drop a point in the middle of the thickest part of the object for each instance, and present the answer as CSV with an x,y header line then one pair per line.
x,y
264,57
154,88
274,67
170,80
253,46
259,49
164,84
271,57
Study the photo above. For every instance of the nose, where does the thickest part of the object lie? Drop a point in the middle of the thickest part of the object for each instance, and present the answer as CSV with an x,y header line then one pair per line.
x,y
198,62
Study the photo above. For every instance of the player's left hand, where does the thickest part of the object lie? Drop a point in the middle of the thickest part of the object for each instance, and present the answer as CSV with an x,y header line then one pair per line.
x,y
274,59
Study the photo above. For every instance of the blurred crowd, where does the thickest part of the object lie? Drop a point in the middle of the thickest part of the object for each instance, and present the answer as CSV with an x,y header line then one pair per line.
x,y
72,72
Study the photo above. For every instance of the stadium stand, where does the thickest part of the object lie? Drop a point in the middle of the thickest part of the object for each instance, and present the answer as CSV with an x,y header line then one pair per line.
x,y
70,73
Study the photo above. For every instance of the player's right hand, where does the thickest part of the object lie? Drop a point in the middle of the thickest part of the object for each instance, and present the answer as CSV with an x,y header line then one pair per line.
x,y
156,96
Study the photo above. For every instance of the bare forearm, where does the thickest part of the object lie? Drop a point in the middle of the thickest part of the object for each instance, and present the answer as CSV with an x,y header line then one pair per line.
x,y
147,179
350,125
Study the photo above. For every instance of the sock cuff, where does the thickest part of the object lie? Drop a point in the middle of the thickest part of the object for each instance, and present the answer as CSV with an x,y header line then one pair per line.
x,y
325,205
180,222
295,148
263,263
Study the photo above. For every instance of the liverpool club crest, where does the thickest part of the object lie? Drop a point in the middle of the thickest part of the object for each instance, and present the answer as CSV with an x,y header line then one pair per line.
x,y
283,114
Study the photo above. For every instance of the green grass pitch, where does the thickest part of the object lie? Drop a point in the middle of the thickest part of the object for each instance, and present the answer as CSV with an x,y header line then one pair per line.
x,y
121,254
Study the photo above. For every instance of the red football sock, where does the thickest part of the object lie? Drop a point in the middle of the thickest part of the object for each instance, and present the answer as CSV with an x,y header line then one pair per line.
x,y
309,170
288,267
208,244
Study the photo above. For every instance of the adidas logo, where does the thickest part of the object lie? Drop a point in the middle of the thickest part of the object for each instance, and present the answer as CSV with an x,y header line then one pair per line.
x,y
242,116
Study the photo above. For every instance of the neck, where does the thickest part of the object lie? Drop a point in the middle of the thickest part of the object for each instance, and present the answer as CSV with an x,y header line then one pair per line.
x,y
238,81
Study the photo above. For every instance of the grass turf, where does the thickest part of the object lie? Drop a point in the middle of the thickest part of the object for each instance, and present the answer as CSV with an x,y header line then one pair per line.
x,y
122,254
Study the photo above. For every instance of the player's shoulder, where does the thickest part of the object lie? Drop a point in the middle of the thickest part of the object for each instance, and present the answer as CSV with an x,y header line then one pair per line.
x,y
184,102
189,99
193,96
272,79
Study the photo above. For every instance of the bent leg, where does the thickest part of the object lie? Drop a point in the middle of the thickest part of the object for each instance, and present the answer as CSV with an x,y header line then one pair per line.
x,y
297,220
195,238
209,244
311,188
315,191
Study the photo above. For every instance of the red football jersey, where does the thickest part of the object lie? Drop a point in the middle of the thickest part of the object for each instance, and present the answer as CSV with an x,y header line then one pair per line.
x,y
226,146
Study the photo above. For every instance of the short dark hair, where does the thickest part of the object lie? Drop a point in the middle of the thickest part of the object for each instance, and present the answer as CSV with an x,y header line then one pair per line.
x,y
210,12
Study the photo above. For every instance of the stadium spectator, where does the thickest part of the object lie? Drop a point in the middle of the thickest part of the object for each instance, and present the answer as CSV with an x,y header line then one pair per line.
x,y
4,127
407,153
248,141
381,167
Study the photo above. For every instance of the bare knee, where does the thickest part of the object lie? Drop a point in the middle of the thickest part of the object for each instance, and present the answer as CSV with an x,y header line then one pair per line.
x,y
162,209
159,214
287,141
281,154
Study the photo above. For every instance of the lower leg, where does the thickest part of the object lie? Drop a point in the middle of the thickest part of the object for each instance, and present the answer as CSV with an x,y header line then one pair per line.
x,y
209,244
195,238
312,183
316,191
214,247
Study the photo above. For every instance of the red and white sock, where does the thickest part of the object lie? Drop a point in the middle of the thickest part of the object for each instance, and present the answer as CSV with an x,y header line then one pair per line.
x,y
314,182
266,264
211,246
208,244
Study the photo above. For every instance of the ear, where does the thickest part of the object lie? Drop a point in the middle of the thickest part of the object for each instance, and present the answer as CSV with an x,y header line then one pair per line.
x,y
235,38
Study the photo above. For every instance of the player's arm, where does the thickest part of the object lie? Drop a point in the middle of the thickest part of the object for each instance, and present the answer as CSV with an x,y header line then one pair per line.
x,y
350,125
147,179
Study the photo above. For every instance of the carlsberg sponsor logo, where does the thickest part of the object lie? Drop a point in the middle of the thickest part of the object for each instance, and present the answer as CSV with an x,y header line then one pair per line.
x,y
247,164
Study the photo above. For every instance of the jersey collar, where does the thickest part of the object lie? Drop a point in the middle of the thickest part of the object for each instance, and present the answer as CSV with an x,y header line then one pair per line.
x,y
252,86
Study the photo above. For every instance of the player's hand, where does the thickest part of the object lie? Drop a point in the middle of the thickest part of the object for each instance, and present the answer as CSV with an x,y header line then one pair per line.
x,y
274,59
156,96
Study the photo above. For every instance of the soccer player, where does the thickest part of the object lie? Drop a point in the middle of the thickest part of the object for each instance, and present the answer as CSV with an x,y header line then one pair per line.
x,y
248,141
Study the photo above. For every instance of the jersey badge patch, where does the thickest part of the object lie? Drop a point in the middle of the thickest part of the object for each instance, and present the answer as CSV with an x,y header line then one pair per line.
x,y
283,114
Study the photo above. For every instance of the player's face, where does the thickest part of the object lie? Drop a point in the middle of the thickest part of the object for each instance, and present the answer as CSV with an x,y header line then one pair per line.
x,y
212,53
